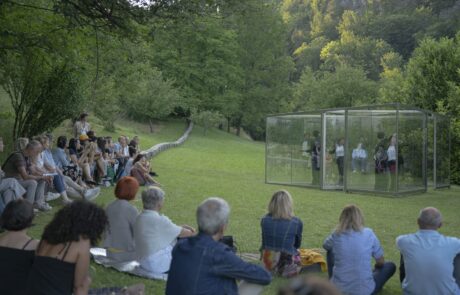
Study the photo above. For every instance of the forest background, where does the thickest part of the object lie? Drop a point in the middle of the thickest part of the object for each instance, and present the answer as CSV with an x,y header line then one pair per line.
x,y
224,63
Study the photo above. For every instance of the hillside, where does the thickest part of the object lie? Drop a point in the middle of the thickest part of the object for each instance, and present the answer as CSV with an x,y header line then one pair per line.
x,y
221,164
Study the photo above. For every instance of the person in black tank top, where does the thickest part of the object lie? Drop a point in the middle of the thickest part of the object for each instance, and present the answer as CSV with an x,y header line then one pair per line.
x,y
62,258
17,249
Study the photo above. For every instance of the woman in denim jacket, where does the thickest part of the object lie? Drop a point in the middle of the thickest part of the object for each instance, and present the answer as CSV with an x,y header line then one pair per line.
x,y
281,236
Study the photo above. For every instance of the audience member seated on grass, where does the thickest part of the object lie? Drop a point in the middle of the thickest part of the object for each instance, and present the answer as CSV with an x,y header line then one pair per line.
x,y
309,285
155,234
21,143
429,257
350,249
129,164
92,136
87,161
203,265
17,249
81,127
141,171
62,258
281,236
72,176
45,164
102,161
17,165
75,150
119,236
121,148
10,189
135,143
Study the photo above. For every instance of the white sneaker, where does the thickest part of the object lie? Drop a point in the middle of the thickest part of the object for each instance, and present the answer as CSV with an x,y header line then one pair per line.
x,y
92,193
51,196
43,207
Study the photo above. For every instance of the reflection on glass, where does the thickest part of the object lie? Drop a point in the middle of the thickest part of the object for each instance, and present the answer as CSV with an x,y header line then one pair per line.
x,y
383,149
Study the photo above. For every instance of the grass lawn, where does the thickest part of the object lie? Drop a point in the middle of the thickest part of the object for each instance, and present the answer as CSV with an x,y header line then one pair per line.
x,y
221,164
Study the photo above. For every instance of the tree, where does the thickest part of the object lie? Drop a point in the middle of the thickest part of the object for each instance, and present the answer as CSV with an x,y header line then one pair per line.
x,y
147,95
207,119
432,71
345,87
43,92
355,51
202,55
433,81
266,66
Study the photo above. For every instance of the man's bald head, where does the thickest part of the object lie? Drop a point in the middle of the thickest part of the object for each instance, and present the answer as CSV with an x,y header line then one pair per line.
x,y
429,218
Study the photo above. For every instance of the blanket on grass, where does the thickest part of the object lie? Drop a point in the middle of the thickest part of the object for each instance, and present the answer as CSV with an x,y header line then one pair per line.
x,y
131,267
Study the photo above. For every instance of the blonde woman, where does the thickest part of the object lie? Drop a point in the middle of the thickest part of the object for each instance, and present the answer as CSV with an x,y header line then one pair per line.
x,y
281,236
350,249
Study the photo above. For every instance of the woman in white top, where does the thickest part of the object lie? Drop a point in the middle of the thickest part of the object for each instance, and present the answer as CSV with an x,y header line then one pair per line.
x,y
155,234
119,237
391,152
339,152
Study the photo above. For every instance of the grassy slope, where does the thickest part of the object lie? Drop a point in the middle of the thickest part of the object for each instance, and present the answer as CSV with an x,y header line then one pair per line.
x,y
223,165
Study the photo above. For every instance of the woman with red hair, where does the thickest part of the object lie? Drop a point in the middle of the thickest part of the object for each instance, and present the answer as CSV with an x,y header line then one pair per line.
x,y
118,238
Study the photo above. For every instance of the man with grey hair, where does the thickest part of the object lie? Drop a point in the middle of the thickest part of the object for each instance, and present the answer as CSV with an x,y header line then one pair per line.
x,y
203,265
428,257
155,234
17,166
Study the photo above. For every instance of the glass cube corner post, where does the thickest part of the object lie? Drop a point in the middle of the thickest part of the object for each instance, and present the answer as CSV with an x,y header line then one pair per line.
x,y
385,150
292,149
333,153
441,151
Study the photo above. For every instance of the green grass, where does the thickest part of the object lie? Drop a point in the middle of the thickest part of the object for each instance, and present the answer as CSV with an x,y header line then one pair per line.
x,y
221,164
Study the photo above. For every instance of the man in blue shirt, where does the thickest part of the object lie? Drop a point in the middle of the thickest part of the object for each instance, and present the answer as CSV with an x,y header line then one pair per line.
x,y
429,257
203,265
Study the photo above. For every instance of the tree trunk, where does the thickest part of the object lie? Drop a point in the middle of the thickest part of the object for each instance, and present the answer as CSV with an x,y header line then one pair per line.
x,y
151,125
228,125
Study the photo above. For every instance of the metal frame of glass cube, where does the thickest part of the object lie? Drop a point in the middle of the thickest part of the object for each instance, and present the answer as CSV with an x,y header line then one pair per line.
x,y
371,149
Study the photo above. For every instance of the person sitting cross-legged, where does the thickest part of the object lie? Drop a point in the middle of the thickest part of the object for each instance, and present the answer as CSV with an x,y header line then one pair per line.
x,y
281,236
119,236
17,249
155,234
350,249
203,265
428,258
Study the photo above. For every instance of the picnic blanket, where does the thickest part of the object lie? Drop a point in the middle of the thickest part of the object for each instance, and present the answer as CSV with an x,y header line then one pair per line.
x,y
131,267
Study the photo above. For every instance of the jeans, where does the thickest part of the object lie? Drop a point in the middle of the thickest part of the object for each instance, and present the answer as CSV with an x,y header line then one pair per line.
x,y
381,275
457,269
58,182
359,164
35,190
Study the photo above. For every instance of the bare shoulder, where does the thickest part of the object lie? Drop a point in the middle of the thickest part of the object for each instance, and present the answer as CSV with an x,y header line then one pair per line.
x,y
32,245
82,245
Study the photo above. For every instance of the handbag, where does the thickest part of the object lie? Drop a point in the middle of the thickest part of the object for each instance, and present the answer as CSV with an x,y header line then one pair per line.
x,y
230,242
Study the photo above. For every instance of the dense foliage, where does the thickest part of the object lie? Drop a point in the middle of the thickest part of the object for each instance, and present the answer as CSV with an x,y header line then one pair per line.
x,y
236,60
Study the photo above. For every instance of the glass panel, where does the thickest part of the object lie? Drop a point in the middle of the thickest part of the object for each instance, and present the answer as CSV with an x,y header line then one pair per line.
x,y
305,164
290,149
410,151
278,154
334,151
368,134
442,151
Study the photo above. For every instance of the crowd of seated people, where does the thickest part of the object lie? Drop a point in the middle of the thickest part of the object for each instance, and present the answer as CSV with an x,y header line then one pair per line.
x,y
198,262
74,168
